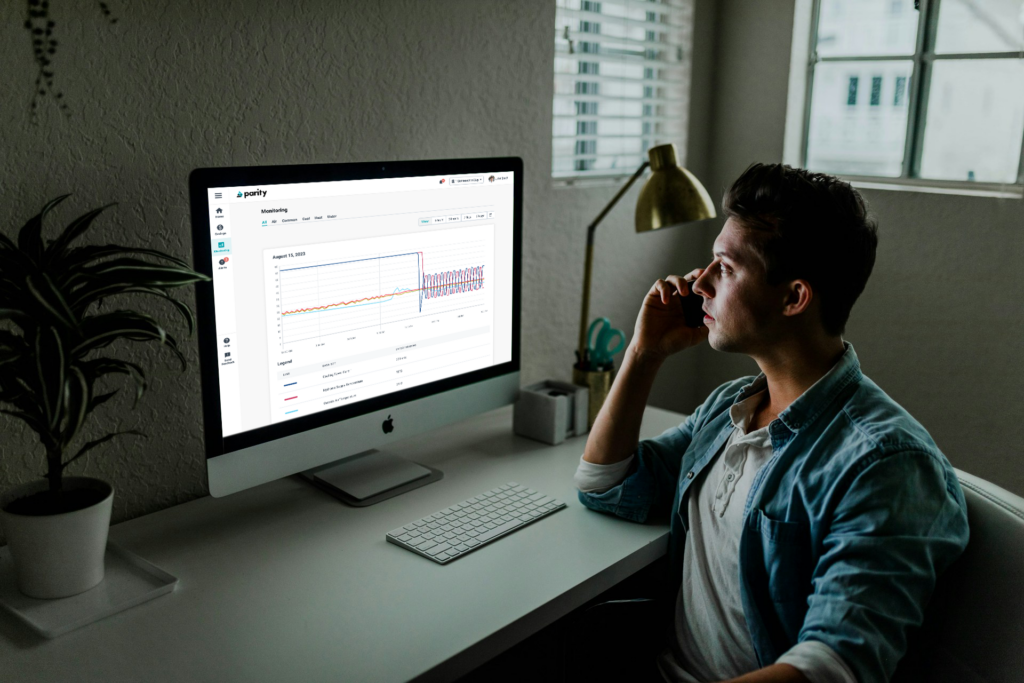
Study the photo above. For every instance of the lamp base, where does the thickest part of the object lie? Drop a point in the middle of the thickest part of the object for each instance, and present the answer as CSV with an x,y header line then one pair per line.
x,y
599,383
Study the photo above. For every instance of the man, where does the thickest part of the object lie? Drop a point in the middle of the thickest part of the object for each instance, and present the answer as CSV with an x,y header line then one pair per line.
x,y
810,514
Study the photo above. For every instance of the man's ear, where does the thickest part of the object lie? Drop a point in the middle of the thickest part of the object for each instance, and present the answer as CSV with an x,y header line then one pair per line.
x,y
798,297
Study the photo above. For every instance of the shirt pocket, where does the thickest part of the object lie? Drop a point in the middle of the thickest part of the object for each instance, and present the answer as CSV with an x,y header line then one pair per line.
x,y
786,547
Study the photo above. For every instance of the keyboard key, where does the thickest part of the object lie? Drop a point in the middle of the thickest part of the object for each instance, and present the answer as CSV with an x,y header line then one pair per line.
x,y
426,546
442,556
437,549
497,531
472,542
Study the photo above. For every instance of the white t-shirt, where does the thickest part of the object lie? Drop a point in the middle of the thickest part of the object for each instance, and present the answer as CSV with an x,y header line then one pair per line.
x,y
711,638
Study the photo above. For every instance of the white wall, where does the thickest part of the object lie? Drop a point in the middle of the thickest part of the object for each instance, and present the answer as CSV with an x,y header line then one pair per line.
x,y
939,325
178,84
181,84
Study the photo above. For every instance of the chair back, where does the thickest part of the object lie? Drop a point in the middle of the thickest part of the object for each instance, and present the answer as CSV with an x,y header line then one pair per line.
x,y
974,629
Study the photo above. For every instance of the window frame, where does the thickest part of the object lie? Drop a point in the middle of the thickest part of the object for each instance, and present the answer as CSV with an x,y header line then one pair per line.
x,y
923,60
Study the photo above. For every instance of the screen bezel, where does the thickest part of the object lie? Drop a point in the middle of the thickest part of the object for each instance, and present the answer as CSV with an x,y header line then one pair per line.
x,y
203,179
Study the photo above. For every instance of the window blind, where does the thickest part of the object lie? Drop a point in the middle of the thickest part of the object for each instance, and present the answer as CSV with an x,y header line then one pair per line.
x,y
622,83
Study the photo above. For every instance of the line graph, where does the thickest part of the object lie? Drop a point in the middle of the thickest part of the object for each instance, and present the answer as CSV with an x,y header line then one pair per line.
x,y
434,285
331,296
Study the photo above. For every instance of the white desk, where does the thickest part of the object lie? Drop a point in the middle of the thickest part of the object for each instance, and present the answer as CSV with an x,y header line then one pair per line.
x,y
283,582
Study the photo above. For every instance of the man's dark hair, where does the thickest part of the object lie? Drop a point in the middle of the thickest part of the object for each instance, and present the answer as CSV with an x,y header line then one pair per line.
x,y
808,226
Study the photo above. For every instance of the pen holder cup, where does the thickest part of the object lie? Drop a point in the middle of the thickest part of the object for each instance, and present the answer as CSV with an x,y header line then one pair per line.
x,y
599,382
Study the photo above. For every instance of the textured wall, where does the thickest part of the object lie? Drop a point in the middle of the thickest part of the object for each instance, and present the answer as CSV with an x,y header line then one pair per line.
x,y
175,85
939,325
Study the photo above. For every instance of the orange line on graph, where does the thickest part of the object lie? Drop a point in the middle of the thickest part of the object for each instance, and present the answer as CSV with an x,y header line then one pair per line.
x,y
379,296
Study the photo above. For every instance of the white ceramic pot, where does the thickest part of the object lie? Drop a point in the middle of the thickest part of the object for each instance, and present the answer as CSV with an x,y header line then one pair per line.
x,y
58,555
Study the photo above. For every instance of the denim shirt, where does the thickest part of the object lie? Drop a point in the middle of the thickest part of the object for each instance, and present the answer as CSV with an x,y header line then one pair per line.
x,y
846,527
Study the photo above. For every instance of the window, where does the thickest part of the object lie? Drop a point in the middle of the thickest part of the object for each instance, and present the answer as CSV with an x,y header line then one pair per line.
x,y
933,93
622,83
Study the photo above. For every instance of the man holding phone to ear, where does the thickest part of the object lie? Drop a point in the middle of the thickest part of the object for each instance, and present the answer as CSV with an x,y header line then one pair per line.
x,y
810,514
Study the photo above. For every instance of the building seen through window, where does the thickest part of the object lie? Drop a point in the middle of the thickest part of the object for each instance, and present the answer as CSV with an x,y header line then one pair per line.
x,y
935,93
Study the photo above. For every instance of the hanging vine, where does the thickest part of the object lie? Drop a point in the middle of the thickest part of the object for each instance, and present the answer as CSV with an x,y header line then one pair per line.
x,y
44,47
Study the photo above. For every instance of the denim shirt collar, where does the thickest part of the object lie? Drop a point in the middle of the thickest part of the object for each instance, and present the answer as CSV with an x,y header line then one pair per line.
x,y
818,397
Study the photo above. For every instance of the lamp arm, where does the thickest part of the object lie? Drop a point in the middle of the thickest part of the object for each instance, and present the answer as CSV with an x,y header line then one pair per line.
x,y
588,263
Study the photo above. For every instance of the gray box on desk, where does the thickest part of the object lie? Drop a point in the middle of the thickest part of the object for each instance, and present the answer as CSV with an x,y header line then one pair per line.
x,y
551,411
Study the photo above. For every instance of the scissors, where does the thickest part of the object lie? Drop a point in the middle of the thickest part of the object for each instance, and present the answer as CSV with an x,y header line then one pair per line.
x,y
600,354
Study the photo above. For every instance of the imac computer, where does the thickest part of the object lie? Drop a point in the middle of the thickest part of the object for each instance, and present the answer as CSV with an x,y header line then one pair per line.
x,y
350,306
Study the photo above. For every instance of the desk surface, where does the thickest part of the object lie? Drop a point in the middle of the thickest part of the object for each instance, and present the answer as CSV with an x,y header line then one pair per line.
x,y
283,582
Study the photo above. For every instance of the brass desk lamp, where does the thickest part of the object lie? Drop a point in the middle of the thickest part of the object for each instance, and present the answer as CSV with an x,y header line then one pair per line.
x,y
671,196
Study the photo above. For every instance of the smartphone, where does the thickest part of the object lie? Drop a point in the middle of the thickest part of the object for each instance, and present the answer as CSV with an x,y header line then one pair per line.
x,y
693,308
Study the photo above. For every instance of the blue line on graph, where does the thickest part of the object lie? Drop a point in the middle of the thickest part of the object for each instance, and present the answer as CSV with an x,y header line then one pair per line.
x,y
292,384
292,411
340,263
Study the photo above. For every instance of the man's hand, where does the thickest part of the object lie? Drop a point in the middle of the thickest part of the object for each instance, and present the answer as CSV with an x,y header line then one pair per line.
x,y
660,330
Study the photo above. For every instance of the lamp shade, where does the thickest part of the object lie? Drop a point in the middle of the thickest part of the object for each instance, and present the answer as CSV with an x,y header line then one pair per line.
x,y
672,195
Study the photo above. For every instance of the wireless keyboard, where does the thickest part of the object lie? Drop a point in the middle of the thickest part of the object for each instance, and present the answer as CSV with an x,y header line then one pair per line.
x,y
464,527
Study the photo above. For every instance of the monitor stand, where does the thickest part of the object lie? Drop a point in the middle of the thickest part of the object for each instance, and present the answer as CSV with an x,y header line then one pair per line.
x,y
370,477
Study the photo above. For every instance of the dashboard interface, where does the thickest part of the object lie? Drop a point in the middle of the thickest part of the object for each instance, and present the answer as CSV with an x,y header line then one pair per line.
x,y
327,294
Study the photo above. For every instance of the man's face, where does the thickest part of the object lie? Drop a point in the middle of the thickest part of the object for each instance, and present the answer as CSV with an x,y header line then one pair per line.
x,y
743,308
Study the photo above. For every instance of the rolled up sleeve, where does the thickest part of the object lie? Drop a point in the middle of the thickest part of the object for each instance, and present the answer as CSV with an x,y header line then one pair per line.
x,y
817,662
899,524
649,486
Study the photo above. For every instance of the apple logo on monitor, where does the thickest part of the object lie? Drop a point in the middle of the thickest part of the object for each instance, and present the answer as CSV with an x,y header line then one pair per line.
x,y
388,425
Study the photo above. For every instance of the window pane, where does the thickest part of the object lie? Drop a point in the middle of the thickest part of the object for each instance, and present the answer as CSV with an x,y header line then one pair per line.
x,y
975,120
859,117
980,26
851,28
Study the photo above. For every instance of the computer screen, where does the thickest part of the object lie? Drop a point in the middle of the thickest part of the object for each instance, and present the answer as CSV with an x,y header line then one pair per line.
x,y
347,289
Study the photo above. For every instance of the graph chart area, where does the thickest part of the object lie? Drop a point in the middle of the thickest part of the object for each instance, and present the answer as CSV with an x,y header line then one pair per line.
x,y
359,318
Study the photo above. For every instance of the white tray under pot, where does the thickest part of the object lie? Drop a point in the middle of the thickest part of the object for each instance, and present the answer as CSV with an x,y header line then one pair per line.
x,y
128,580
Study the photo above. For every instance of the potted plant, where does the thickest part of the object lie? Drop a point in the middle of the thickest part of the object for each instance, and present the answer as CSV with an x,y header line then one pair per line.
x,y
58,316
